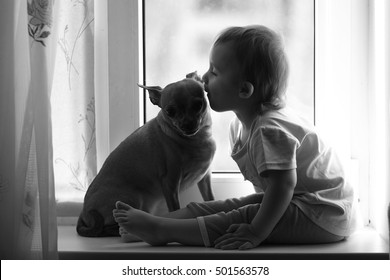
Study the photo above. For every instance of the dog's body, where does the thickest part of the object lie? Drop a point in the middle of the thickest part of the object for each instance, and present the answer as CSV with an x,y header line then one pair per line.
x,y
165,156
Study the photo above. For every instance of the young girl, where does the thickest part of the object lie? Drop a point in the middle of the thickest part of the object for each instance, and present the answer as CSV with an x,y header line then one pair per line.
x,y
301,194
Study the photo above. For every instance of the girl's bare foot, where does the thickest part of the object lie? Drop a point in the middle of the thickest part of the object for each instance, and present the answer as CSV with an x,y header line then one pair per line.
x,y
128,237
139,223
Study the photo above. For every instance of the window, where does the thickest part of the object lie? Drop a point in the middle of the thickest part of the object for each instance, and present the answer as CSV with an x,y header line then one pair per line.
x,y
179,35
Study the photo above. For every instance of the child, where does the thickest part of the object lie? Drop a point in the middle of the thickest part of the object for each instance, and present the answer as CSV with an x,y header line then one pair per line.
x,y
301,194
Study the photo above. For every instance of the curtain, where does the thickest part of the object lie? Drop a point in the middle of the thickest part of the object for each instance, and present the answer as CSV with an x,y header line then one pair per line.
x,y
27,201
47,119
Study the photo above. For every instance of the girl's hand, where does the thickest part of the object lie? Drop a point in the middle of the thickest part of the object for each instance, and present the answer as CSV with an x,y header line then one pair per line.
x,y
239,236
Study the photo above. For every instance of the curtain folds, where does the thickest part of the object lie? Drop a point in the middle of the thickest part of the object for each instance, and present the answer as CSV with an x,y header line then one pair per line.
x,y
47,119
27,194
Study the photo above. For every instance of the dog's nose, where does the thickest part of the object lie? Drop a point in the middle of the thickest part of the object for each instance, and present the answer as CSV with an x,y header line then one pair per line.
x,y
204,78
189,128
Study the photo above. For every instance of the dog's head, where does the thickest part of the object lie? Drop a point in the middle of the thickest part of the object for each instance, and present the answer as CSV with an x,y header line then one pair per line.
x,y
182,103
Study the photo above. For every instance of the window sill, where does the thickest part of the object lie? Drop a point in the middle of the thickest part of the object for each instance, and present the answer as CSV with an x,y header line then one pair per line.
x,y
364,244
224,185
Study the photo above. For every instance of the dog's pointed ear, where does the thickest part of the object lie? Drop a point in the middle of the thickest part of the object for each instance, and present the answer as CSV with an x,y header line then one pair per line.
x,y
194,75
154,93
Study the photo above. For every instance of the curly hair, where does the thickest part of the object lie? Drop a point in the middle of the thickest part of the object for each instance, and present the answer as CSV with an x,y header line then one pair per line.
x,y
263,62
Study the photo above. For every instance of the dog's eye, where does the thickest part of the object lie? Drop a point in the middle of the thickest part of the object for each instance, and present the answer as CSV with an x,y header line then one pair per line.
x,y
197,106
171,112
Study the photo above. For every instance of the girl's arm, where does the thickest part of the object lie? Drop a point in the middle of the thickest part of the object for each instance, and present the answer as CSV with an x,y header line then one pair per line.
x,y
275,202
277,197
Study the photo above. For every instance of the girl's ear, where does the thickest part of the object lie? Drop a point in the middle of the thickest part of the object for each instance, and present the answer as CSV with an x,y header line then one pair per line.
x,y
246,90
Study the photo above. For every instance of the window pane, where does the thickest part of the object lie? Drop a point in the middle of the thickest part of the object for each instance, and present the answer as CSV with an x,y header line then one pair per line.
x,y
179,35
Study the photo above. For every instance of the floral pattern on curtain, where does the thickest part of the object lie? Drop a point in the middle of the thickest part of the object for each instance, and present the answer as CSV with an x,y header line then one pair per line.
x,y
40,15
73,103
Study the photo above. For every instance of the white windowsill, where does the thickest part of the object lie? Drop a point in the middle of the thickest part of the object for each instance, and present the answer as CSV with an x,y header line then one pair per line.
x,y
224,185
363,244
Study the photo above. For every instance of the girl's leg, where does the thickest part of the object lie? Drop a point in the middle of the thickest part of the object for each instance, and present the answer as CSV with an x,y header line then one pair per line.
x,y
157,230
183,213
217,206
293,228
200,231
194,210
296,228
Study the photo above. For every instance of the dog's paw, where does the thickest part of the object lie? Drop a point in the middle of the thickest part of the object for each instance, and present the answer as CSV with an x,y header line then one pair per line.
x,y
195,76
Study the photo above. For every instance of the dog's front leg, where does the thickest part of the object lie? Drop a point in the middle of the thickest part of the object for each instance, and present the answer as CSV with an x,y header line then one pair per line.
x,y
204,186
170,190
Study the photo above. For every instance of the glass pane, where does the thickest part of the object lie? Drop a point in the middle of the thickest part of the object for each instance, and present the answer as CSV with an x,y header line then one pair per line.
x,y
179,35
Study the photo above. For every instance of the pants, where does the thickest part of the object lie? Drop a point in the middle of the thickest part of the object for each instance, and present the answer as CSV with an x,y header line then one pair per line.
x,y
215,217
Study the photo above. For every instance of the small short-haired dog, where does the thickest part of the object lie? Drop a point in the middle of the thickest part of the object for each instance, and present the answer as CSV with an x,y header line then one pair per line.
x,y
168,154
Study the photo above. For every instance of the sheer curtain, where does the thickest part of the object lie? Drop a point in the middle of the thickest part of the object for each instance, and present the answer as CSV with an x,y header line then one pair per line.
x,y
47,119
27,201
73,103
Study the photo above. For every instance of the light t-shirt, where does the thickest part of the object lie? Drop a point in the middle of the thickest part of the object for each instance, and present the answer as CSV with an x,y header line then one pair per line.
x,y
280,140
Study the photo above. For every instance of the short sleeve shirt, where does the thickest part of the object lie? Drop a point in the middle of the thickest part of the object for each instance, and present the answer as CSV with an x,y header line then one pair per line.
x,y
280,140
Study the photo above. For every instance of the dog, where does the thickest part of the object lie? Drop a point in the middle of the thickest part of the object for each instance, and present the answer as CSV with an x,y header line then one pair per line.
x,y
167,155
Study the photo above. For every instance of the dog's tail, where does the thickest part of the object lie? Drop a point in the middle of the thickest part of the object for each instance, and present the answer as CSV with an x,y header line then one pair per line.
x,y
95,226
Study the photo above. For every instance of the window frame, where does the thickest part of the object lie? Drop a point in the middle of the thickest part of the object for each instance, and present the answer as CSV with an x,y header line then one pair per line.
x,y
118,69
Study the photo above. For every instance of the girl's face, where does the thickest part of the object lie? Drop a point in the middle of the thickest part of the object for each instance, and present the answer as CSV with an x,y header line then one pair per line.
x,y
222,80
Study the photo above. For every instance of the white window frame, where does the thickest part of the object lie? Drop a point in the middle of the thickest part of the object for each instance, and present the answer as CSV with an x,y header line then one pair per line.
x,y
342,57
118,69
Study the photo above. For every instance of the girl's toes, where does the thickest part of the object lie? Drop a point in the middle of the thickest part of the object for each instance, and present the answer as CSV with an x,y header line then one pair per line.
x,y
122,231
119,213
123,206
120,220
